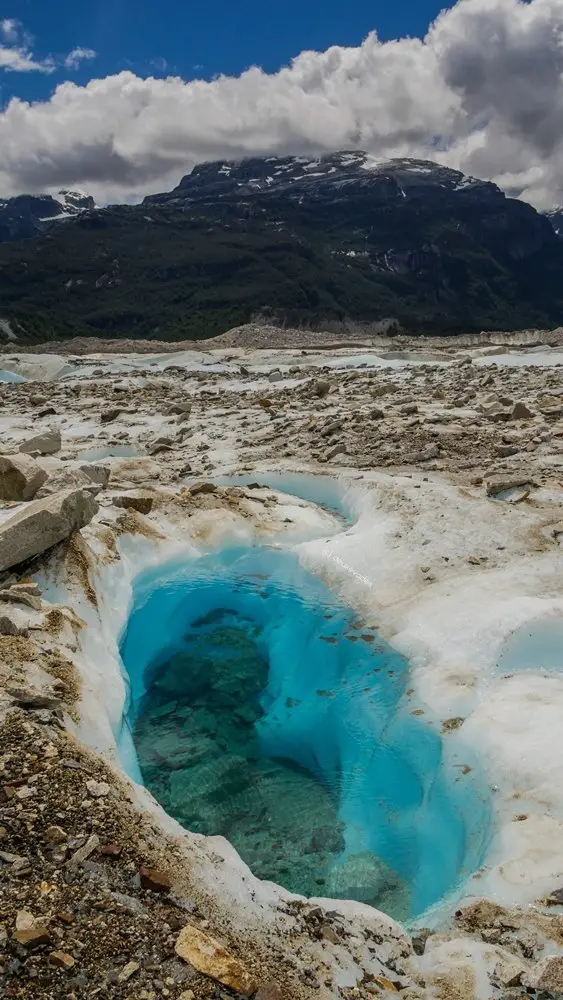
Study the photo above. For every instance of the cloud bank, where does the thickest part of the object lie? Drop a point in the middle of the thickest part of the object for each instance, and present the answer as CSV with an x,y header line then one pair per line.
x,y
483,91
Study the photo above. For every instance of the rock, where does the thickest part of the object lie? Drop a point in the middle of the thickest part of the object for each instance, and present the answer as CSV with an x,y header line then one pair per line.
x,y
14,596
510,973
270,992
385,984
127,971
520,412
376,413
332,427
154,880
203,488
84,852
111,850
140,500
46,443
96,473
97,789
31,698
505,481
207,956
321,388
61,960
20,477
9,627
106,416
275,377
55,835
337,449
42,524
32,937
547,974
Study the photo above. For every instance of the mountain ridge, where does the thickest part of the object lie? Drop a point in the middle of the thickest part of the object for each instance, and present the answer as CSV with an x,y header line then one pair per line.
x,y
303,241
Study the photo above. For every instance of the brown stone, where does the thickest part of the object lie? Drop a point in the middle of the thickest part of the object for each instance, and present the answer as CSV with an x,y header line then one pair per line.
x,y
141,501
202,488
209,957
385,984
55,835
154,880
31,937
547,974
111,850
270,991
61,960
520,412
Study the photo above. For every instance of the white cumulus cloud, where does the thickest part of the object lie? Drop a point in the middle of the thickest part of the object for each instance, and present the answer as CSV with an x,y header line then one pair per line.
x,y
483,91
77,56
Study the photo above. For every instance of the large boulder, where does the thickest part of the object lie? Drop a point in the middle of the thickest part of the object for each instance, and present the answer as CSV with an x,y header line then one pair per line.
x,y
42,524
46,443
20,477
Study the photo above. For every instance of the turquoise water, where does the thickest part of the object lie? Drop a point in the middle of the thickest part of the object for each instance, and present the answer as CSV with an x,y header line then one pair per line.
x,y
536,646
6,376
115,451
263,710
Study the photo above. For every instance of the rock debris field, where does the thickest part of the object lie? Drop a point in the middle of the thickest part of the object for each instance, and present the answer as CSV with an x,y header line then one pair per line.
x,y
121,457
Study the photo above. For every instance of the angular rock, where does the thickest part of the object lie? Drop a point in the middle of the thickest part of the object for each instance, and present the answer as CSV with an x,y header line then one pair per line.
x,y
20,477
30,698
46,443
32,937
9,627
506,481
61,960
108,415
203,488
321,388
270,991
95,472
520,412
42,524
127,971
86,850
154,880
140,500
547,974
206,955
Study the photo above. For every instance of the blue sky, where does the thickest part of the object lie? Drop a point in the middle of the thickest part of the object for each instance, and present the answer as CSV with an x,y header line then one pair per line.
x,y
199,38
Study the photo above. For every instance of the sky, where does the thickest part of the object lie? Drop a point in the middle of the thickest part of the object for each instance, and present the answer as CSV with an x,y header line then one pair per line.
x,y
123,97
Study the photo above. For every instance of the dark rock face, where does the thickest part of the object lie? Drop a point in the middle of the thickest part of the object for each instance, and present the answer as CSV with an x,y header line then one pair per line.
x,y
318,243
30,215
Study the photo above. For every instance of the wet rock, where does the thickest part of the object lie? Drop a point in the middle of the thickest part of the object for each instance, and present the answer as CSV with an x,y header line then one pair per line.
x,y
42,524
20,477
209,957
46,443
154,880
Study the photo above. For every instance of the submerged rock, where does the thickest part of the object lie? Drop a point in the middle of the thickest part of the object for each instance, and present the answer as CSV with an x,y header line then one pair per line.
x,y
42,524
20,477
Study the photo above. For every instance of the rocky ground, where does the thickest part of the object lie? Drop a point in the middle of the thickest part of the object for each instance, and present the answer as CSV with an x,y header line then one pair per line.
x,y
97,897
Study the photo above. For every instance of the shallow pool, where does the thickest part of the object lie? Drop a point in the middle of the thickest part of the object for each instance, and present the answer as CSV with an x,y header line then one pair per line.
x,y
6,376
536,646
262,709
115,451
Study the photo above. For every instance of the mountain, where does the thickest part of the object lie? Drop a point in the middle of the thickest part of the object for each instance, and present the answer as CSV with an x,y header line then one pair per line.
x,y
302,241
555,217
29,215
